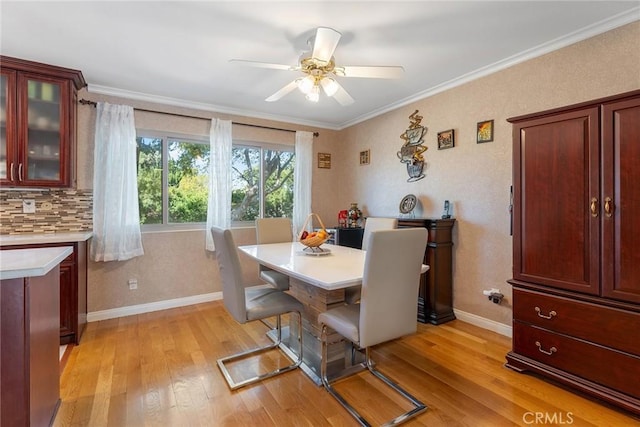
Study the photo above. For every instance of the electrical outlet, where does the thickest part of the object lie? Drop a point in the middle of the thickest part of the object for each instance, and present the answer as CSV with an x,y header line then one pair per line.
x,y
28,206
133,284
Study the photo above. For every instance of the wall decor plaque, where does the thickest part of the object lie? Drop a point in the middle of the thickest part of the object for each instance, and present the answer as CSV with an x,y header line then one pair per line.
x,y
411,151
324,160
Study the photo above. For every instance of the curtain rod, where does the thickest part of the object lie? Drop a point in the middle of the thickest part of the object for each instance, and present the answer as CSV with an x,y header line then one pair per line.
x,y
87,102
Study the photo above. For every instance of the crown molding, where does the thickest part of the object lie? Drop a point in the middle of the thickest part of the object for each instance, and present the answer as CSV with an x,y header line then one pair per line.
x,y
201,106
603,26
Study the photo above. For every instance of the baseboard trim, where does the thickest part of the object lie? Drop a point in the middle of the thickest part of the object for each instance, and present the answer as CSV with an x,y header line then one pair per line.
x,y
152,306
131,310
484,323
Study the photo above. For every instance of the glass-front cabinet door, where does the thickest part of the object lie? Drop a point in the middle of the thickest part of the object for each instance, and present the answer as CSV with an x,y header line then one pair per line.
x,y
37,123
43,137
7,124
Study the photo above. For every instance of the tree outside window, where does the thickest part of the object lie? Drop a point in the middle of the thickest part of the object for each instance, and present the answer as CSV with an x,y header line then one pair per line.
x,y
173,181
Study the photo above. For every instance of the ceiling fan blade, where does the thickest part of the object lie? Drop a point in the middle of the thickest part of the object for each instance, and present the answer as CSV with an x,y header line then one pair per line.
x,y
342,96
325,44
373,72
282,92
265,65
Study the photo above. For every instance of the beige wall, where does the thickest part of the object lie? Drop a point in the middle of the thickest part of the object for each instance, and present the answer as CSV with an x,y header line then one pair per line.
x,y
474,177
175,264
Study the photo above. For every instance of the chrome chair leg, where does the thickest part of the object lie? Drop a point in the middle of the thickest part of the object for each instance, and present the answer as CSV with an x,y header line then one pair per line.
x,y
238,384
418,405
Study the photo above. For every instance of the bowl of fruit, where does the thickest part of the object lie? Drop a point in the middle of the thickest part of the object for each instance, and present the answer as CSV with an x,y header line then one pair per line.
x,y
316,238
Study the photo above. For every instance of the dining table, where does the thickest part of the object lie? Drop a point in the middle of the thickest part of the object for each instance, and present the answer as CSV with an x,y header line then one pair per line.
x,y
318,278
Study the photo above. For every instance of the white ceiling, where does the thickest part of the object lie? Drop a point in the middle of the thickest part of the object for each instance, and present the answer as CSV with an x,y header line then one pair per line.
x,y
178,52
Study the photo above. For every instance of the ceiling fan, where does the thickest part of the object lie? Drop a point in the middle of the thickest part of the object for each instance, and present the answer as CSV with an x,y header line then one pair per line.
x,y
320,70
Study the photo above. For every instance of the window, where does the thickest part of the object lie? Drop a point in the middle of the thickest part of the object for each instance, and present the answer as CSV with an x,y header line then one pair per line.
x,y
173,180
262,183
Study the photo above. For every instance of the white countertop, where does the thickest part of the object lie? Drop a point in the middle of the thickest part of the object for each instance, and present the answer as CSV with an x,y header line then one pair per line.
x,y
42,238
15,263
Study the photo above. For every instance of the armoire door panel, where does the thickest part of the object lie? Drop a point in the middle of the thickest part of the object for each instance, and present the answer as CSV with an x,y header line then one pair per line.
x,y
621,183
557,232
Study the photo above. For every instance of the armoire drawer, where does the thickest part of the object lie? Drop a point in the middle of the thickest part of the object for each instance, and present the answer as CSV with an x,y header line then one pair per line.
x,y
620,371
610,327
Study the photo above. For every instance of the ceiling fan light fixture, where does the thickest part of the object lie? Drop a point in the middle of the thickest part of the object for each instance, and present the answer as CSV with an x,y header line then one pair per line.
x,y
329,85
314,94
306,84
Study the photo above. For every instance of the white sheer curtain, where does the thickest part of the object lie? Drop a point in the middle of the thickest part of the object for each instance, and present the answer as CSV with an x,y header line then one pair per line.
x,y
219,203
302,179
116,219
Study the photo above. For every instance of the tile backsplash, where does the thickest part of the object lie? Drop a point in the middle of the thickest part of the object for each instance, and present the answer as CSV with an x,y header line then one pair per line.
x,y
64,210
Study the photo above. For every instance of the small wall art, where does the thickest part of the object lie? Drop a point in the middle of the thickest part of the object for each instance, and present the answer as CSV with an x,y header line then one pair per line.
x,y
446,139
485,131
324,160
365,157
411,151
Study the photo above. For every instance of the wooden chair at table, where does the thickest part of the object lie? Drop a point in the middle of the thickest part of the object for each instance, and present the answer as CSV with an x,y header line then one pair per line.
x,y
247,304
387,310
352,295
274,230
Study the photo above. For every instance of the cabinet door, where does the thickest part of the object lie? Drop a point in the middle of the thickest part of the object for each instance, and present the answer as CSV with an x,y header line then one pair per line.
x,y
621,184
43,130
67,298
556,176
7,126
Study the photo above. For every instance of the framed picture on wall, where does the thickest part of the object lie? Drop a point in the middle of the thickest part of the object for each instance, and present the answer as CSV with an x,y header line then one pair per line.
x,y
324,160
446,139
365,157
485,131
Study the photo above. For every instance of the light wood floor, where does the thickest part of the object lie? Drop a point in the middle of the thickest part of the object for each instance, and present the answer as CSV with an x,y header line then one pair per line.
x,y
159,369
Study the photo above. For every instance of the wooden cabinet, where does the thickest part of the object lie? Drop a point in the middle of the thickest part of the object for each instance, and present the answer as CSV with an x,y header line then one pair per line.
x,y
37,123
73,289
576,267
29,364
435,296
343,236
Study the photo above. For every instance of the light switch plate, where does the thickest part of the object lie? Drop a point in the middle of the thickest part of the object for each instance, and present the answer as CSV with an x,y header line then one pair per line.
x,y
28,206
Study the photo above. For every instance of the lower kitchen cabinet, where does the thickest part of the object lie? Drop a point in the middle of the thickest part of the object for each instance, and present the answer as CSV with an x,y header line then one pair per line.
x,y
73,289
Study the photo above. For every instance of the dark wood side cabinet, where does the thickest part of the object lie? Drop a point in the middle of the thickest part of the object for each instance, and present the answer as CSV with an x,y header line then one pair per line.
x,y
37,123
29,366
576,264
435,296
73,290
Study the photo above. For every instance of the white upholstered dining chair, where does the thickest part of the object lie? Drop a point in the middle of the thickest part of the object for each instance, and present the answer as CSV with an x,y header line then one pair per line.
x,y
352,295
274,230
246,304
387,310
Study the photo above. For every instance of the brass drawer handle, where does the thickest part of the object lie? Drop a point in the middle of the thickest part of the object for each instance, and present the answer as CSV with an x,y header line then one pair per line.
x,y
548,353
608,206
594,207
551,315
